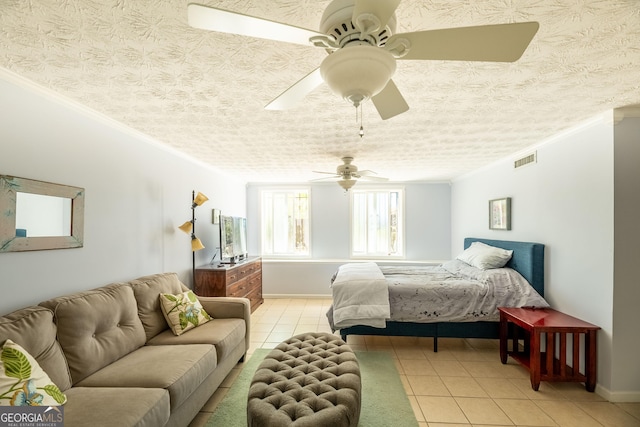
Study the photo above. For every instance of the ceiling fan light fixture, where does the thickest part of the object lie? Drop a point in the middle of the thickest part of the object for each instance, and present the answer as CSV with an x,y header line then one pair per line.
x,y
346,184
357,73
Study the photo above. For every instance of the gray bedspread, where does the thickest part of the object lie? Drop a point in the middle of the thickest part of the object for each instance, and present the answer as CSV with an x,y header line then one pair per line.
x,y
455,292
451,292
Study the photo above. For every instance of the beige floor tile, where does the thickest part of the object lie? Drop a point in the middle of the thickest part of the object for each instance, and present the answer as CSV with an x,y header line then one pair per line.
x,y
495,369
631,408
428,385
452,343
258,336
498,388
566,414
409,353
284,328
524,412
608,414
480,355
411,342
417,367
278,337
482,411
463,387
576,391
261,327
546,391
442,354
441,409
449,368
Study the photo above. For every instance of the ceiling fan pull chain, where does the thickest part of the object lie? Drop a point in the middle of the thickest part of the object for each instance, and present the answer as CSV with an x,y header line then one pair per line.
x,y
361,132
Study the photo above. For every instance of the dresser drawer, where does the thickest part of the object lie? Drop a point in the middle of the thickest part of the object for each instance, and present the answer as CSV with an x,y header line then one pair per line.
x,y
238,289
248,269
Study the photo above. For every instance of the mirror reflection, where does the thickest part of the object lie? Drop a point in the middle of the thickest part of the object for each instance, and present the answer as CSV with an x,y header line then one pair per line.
x,y
38,215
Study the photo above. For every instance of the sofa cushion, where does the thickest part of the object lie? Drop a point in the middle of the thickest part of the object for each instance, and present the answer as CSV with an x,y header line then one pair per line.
x,y
33,329
33,386
183,311
98,327
224,334
108,407
146,290
180,369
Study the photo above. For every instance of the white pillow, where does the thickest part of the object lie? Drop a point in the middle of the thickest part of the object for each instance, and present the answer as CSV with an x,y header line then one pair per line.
x,y
22,380
484,256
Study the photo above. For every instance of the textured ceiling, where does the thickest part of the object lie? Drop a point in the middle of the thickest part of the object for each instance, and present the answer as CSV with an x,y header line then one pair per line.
x,y
203,93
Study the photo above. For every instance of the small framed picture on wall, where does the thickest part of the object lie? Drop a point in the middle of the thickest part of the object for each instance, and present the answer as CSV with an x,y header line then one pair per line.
x,y
500,214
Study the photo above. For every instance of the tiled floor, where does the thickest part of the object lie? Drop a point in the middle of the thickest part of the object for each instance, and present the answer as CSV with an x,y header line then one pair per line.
x,y
463,384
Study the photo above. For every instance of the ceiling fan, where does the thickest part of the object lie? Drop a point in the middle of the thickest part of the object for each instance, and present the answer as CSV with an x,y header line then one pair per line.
x,y
359,36
347,174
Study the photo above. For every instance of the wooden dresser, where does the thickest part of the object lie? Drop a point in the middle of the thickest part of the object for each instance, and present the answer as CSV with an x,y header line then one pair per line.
x,y
243,279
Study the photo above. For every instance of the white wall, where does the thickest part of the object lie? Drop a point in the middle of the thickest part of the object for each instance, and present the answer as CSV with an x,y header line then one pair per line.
x,y
427,219
136,195
566,201
626,292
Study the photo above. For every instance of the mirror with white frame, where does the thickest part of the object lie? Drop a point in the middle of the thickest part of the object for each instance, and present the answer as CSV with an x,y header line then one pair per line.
x,y
37,215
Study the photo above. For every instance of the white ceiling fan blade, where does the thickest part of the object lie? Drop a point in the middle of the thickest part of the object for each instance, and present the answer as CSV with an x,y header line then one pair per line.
x,y
373,178
329,178
495,43
212,19
389,102
382,9
296,93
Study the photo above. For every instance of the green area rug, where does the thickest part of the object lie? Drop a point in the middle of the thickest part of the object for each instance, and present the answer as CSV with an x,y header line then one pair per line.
x,y
384,401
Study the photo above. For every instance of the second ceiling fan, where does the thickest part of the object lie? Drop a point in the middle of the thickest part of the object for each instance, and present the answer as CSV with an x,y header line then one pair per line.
x,y
359,36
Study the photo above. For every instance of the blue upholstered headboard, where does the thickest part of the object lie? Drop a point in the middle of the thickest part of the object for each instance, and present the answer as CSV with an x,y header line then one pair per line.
x,y
527,259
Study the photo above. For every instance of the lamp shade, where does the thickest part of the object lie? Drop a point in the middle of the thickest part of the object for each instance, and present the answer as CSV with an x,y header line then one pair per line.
x,y
357,73
186,227
200,199
196,244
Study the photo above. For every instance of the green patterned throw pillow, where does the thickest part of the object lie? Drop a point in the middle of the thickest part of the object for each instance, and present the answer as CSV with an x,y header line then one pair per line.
x,y
183,311
23,382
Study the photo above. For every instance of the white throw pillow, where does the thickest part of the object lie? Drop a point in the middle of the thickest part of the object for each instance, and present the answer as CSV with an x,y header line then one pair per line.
x,y
484,256
23,382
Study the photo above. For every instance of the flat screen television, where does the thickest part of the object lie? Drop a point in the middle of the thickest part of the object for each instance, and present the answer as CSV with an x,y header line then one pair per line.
x,y
233,238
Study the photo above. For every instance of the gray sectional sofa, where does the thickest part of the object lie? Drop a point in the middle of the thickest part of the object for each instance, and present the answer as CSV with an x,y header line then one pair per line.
x,y
113,355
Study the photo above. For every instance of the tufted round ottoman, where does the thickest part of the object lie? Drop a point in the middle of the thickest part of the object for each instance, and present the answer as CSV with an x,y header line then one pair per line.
x,y
310,380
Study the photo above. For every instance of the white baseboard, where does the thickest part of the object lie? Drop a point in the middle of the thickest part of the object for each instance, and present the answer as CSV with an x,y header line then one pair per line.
x,y
618,396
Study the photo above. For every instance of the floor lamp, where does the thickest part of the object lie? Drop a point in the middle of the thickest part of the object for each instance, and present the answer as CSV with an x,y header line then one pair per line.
x,y
189,227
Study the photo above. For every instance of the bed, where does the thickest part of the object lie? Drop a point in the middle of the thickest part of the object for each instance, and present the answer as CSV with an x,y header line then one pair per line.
x,y
527,259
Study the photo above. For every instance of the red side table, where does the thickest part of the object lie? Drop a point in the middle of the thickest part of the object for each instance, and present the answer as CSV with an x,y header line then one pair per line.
x,y
530,324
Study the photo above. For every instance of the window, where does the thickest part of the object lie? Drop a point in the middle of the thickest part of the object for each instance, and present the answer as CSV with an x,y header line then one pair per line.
x,y
285,222
377,223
